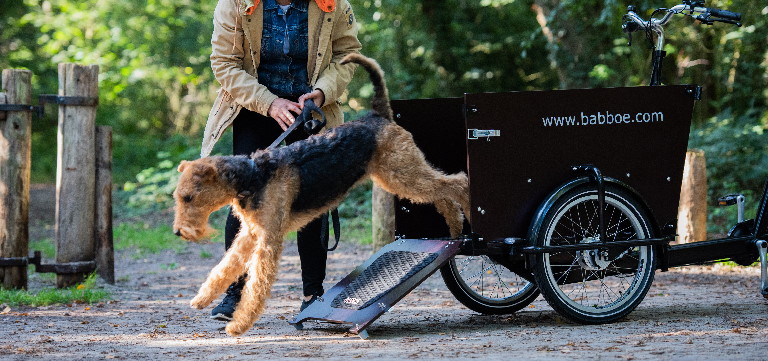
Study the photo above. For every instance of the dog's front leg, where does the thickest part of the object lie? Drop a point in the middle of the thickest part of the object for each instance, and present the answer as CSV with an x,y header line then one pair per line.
x,y
232,266
262,273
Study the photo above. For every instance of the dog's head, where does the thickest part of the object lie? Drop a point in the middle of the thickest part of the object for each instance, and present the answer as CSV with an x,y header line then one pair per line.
x,y
201,191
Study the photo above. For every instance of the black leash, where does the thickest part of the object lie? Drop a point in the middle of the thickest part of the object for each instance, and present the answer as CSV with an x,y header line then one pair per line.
x,y
313,126
325,233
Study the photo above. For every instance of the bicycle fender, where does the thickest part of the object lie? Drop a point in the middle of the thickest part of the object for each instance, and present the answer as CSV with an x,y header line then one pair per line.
x,y
544,208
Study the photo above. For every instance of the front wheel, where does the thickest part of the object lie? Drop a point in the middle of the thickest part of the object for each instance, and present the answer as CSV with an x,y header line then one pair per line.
x,y
600,285
486,286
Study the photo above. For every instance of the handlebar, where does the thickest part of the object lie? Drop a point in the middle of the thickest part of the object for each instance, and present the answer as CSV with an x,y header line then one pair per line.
x,y
725,14
692,8
708,16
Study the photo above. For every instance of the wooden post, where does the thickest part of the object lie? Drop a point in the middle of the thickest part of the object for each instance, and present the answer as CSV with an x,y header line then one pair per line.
x,y
383,217
15,150
692,212
105,255
75,171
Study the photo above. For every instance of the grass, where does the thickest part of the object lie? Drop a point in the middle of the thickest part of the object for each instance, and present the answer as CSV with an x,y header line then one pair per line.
x,y
145,239
85,292
46,246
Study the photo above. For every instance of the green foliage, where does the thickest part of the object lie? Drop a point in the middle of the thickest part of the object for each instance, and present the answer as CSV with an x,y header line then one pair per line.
x,y
46,246
144,238
156,86
735,150
153,188
85,292
355,216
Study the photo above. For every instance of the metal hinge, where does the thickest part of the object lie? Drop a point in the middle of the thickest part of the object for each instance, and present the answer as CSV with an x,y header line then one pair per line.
x,y
58,268
482,133
50,99
68,100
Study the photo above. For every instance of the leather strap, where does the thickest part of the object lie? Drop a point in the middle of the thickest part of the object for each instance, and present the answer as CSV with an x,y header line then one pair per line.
x,y
325,234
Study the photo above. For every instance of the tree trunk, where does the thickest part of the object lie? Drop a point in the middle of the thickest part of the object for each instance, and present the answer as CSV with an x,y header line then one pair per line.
x,y
383,217
692,212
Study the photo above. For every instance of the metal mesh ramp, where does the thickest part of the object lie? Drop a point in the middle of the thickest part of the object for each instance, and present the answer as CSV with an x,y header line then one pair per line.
x,y
380,282
387,271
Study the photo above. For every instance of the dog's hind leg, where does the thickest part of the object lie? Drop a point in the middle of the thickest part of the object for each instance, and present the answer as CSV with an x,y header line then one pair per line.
x,y
231,266
451,211
400,168
449,193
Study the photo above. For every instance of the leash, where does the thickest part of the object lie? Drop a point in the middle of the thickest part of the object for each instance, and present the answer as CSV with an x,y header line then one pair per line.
x,y
325,232
313,126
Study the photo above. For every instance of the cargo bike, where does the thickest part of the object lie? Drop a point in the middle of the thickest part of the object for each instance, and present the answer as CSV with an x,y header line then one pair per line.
x,y
574,196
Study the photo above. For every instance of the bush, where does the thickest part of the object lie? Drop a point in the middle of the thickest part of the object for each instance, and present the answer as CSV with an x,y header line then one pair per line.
x,y
735,149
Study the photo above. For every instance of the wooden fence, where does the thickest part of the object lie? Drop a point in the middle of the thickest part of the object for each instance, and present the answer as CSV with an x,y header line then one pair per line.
x,y
83,225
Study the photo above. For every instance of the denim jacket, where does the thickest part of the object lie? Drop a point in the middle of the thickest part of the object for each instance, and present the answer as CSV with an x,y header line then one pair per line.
x,y
284,47
235,60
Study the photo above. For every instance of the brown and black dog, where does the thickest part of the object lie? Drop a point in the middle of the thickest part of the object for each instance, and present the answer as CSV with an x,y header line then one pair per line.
x,y
277,191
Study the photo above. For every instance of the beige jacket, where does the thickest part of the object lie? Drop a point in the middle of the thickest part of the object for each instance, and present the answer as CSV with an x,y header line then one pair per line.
x,y
236,45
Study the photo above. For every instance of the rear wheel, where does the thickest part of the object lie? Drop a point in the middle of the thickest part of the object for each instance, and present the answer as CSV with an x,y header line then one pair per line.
x,y
486,286
599,285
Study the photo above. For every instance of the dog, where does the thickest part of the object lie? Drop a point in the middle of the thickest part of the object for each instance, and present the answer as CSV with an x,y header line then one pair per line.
x,y
276,191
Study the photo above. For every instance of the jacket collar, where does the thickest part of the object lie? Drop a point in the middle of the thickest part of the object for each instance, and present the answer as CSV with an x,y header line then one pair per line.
x,y
248,6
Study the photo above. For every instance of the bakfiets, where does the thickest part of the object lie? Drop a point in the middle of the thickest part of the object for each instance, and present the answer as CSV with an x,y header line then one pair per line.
x,y
574,196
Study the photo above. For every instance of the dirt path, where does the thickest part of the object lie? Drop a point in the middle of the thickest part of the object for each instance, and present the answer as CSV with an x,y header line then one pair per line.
x,y
696,313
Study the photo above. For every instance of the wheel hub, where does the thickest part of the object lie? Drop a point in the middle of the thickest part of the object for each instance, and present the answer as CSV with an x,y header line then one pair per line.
x,y
593,259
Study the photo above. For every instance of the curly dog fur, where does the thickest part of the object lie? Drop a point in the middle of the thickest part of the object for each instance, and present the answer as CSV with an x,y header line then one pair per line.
x,y
277,191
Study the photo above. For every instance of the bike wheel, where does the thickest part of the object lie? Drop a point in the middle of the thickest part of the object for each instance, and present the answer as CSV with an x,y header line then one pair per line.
x,y
594,286
484,285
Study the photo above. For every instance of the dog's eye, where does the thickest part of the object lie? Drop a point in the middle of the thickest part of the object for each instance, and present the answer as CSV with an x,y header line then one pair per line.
x,y
187,199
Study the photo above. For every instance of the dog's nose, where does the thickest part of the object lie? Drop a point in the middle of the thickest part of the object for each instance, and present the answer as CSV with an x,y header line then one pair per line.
x,y
178,232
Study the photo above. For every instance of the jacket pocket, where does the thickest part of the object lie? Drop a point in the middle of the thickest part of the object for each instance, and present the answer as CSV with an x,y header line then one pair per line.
x,y
222,113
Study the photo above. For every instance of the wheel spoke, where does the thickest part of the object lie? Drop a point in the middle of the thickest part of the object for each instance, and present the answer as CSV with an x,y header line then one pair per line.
x,y
484,285
595,285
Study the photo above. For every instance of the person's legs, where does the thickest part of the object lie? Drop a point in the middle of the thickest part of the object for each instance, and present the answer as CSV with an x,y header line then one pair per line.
x,y
312,253
313,257
250,132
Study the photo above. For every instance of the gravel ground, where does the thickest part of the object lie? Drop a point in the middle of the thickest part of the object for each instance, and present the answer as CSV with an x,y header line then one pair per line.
x,y
692,313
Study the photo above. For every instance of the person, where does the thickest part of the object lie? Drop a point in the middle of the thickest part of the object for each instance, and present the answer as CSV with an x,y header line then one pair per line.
x,y
269,57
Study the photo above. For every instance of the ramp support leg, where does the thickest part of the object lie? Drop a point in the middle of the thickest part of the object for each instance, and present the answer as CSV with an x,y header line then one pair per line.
x,y
762,250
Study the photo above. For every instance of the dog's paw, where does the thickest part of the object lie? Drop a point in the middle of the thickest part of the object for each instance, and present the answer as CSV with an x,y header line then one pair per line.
x,y
234,329
200,302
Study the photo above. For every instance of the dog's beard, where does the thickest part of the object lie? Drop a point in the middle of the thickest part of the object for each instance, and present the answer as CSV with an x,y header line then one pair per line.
x,y
200,235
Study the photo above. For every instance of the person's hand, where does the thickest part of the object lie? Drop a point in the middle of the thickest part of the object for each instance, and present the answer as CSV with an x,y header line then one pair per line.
x,y
316,95
280,110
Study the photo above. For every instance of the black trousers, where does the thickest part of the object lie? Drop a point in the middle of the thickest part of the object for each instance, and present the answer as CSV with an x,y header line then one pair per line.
x,y
250,132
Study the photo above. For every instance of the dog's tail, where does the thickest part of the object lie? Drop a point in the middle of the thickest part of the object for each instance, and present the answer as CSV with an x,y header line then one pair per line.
x,y
380,101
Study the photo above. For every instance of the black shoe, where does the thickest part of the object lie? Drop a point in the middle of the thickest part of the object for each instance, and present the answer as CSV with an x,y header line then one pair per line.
x,y
305,304
225,309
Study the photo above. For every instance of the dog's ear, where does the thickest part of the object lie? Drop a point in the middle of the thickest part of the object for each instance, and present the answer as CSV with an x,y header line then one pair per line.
x,y
182,165
205,170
